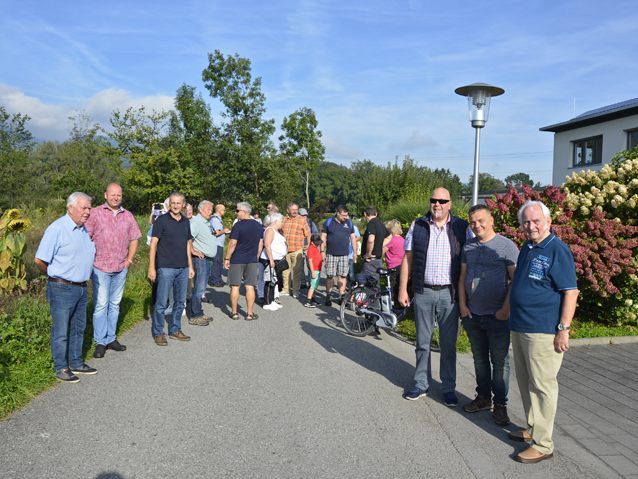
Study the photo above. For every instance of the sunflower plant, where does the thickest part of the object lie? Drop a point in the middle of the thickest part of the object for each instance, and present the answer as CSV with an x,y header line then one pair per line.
x,y
13,275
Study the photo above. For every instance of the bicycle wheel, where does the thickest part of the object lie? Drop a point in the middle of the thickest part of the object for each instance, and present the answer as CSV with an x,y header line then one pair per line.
x,y
354,321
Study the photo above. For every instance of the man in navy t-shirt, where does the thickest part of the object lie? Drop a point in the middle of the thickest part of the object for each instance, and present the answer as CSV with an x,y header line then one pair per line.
x,y
337,235
242,259
542,304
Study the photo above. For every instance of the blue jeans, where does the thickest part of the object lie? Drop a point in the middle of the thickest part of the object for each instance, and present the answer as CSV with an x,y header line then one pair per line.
x,y
490,340
430,306
217,267
261,283
175,279
201,267
108,289
68,311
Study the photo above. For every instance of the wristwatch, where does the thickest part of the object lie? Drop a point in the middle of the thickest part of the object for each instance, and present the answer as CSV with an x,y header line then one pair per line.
x,y
562,327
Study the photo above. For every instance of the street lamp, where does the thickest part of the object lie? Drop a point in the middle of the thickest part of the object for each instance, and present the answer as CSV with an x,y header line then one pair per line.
x,y
478,100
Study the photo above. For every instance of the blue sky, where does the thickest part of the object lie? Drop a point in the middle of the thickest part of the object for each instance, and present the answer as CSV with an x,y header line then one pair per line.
x,y
379,74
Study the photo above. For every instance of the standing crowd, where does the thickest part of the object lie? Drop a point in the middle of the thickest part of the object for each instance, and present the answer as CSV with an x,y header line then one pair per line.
x,y
452,271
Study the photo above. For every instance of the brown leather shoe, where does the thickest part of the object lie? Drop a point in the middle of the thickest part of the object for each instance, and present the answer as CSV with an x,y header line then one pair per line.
x,y
179,336
160,340
532,456
522,435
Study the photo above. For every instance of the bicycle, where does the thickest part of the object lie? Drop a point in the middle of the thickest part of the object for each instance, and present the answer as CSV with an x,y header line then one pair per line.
x,y
368,306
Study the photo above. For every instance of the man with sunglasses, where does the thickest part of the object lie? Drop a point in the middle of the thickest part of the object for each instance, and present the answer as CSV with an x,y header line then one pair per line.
x,y
433,248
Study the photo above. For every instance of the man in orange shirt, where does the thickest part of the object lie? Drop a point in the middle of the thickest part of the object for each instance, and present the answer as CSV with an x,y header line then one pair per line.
x,y
297,234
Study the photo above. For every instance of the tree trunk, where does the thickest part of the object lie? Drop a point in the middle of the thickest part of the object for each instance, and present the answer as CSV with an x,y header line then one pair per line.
x,y
308,189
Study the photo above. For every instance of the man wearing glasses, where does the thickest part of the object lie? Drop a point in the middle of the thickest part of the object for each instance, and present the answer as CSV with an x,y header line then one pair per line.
x,y
433,248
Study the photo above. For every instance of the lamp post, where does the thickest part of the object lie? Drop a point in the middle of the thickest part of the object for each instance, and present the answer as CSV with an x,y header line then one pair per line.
x,y
478,100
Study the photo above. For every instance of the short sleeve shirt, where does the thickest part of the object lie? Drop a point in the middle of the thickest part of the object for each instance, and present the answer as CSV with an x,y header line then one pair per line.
x,y
173,236
543,271
217,224
337,236
112,234
487,279
315,255
203,238
68,250
377,228
248,234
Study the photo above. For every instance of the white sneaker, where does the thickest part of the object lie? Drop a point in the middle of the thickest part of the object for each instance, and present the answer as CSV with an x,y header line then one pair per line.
x,y
283,293
278,306
271,307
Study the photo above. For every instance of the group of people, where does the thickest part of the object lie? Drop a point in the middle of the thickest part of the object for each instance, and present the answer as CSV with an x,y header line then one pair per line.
x,y
446,267
480,276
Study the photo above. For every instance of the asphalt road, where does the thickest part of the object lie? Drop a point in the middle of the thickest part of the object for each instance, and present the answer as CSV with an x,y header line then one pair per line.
x,y
287,396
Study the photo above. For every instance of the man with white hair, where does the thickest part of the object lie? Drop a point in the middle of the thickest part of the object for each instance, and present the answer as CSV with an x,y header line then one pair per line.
x,y
115,233
204,249
542,304
242,259
66,255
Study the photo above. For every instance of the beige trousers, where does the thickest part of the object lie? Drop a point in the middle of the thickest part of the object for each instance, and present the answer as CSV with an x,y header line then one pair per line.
x,y
295,260
537,365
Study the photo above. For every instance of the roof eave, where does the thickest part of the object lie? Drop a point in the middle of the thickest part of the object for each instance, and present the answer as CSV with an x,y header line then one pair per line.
x,y
579,123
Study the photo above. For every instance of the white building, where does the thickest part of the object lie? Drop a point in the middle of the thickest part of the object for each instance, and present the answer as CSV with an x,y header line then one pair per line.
x,y
590,140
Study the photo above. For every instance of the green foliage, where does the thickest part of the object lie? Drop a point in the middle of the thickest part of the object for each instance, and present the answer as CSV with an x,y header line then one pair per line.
x,y
12,247
301,146
487,184
517,180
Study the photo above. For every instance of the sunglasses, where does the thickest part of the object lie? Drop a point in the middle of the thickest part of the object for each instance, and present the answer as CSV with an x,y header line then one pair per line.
x,y
439,201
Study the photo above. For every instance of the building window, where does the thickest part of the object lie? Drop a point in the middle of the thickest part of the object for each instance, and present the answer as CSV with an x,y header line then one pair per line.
x,y
632,139
588,151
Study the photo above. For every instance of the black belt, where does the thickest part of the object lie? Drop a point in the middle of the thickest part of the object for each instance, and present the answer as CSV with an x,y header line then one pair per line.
x,y
64,281
436,287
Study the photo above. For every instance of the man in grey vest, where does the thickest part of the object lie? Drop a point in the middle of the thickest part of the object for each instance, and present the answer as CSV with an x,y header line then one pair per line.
x,y
433,248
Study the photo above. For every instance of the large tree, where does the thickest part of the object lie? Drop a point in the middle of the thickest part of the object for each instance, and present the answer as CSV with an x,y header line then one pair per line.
x,y
517,180
487,184
301,145
16,143
247,159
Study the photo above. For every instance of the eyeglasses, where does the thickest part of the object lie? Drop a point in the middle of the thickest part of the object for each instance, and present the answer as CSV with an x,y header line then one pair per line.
x,y
439,201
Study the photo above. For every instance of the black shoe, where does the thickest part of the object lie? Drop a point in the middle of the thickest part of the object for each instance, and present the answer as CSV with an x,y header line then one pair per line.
x,y
84,369
260,301
116,346
328,301
100,349
65,375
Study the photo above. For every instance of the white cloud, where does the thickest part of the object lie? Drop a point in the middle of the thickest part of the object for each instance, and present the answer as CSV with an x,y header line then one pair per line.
x,y
51,121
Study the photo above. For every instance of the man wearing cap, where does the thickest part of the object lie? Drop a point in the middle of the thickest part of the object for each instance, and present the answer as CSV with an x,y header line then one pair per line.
x,y
115,234
66,255
297,234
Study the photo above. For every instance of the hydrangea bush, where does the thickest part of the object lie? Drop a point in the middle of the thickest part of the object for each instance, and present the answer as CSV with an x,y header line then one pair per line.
x,y
605,251
613,189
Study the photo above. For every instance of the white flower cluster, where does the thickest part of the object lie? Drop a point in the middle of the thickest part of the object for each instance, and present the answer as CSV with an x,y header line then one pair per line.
x,y
612,188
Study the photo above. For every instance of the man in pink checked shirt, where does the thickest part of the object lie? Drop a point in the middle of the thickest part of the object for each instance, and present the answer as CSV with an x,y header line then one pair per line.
x,y
115,233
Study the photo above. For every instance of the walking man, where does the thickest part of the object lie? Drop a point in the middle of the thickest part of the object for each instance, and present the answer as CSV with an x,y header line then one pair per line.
x,y
116,235
204,248
336,237
433,248
66,255
297,234
220,232
170,264
542,305
242,259
488,262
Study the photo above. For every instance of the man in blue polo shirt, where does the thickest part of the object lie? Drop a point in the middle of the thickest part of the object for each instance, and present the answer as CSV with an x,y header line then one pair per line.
x,y
542,304
66,255
170,264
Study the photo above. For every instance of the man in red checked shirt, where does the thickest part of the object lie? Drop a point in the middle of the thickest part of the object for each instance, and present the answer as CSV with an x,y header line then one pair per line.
x,y
115,233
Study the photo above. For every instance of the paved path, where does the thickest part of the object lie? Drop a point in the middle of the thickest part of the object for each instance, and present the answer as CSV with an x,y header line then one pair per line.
x,y
291,396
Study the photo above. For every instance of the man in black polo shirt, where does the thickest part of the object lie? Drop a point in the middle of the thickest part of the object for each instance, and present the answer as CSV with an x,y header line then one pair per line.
x,y
372,244
337,234
171,266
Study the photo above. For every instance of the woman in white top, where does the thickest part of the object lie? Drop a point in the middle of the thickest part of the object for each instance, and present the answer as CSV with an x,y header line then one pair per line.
x,y
275,249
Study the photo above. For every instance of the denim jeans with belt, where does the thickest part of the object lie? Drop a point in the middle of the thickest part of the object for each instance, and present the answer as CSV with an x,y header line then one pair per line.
x,y
175,279
108,289
68,310
490,341
201,266
430,306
